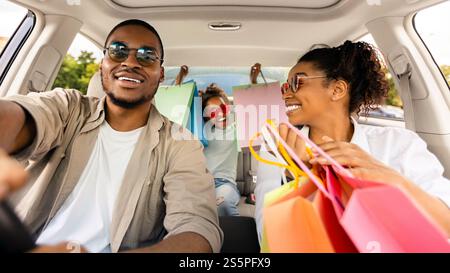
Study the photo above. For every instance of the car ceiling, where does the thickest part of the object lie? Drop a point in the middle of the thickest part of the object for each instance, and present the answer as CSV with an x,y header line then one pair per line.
x,y
274,33
252,3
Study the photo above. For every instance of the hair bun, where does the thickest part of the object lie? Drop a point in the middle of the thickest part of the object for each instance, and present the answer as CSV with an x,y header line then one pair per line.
x,y
359,64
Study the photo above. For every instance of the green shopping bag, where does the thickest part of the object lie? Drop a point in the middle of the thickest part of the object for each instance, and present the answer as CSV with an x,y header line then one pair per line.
x,y
175,102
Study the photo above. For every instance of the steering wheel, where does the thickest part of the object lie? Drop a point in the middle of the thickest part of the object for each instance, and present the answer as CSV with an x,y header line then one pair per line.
x,y
14,236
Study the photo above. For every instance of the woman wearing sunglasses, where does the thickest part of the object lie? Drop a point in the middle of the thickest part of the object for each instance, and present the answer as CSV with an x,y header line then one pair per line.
x,y
325,90
221,153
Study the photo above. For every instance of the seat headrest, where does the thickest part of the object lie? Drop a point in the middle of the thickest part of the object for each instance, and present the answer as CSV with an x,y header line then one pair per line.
x,y
95,88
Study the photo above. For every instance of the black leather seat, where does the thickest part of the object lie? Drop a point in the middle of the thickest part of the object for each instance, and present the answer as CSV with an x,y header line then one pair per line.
x,y
240,234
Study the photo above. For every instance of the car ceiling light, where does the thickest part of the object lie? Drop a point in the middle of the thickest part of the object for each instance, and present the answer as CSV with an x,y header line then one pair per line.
x,y
224,26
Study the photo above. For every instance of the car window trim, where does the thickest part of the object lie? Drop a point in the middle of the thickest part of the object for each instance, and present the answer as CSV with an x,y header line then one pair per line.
x,y
15,43
428,49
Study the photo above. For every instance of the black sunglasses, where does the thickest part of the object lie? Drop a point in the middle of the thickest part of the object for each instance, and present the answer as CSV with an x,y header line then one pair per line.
x,y
119,52
295,83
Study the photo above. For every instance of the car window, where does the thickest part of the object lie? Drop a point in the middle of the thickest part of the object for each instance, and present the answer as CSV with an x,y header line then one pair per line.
x,y
17,23
391,108
432,25
79,65
13,14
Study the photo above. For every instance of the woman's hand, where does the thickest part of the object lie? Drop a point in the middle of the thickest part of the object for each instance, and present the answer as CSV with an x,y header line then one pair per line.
x,y
359,162
12,175
364,166
295,142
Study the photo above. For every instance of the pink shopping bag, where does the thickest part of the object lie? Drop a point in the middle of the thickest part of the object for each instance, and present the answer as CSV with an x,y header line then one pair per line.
x,y
382,218
253,105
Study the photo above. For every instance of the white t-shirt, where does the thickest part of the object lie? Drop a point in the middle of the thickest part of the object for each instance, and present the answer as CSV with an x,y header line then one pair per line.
x,y
401,149
86,215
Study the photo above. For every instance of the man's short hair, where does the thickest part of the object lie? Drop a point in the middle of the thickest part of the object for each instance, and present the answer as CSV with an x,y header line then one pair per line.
x,y
137,22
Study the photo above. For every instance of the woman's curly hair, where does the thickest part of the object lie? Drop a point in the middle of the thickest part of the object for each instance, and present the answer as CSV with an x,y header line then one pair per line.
x,y
358,64
213,91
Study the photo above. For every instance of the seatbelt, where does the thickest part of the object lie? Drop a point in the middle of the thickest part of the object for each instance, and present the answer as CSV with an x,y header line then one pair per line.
x,y
252,173
403,70
405,94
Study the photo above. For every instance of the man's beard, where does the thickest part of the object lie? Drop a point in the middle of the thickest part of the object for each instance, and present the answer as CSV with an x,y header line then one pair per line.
x,y
124,103
127,104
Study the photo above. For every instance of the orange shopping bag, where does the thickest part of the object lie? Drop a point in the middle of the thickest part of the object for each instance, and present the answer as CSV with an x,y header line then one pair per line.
x,y
323,205
291,223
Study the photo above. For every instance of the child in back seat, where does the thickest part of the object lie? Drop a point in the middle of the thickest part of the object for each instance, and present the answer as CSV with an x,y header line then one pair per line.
x,y
221,153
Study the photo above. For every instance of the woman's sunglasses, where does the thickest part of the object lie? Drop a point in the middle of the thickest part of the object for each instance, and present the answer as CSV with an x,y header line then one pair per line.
x,y
296,82
119,52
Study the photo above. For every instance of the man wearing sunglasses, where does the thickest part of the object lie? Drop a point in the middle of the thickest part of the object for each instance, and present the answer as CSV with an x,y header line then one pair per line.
x,y
108,174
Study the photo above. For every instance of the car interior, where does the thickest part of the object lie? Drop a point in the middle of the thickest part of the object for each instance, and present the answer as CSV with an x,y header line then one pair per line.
x,y
237,34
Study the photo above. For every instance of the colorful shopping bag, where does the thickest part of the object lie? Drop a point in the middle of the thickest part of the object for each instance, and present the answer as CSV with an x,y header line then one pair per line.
x,y
338,237
253,105
281,192
196,118
291,223
379,217
175,101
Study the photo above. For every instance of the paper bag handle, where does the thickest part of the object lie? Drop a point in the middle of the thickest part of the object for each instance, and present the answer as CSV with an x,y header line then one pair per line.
x,y
338,167
299,162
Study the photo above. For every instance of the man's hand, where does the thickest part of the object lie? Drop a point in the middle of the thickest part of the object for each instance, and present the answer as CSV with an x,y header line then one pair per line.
x,y
12,175
186,242
66,247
